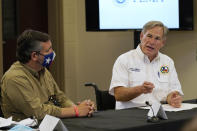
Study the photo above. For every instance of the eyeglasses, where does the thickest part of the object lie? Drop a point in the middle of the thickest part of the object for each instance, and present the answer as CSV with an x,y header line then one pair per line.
x,y
38,52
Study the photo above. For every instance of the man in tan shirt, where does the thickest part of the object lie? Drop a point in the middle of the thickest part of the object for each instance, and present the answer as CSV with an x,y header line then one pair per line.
x,y
28,88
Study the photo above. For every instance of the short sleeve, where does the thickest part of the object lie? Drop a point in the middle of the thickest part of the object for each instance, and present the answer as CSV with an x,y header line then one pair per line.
x,y
119,74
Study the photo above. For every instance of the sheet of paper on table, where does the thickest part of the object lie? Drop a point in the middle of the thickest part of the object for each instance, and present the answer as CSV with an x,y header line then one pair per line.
x,y
167,107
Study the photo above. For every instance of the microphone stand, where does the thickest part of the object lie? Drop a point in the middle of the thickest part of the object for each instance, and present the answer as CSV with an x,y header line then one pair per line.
x,y
153,119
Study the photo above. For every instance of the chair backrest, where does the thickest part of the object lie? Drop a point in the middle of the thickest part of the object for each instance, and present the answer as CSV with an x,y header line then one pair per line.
x,y
1,113
104,100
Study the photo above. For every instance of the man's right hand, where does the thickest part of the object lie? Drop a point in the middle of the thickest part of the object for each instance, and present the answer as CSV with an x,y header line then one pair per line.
x,y
147,87
86,108
126,94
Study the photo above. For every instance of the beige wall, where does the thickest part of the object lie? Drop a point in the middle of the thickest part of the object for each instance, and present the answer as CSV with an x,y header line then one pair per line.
x,y
89,56
56,32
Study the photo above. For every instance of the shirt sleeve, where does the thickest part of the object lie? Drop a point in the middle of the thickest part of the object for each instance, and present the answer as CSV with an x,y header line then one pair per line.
x,y
19,89
119,75
61,97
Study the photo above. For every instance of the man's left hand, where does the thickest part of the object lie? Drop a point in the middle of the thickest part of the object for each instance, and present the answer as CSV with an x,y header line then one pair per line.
x,y
174,99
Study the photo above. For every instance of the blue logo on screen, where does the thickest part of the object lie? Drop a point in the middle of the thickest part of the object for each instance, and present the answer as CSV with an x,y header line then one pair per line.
x,y
120,1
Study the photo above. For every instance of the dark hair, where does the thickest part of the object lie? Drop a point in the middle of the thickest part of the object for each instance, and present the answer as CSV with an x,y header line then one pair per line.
x,y
28,42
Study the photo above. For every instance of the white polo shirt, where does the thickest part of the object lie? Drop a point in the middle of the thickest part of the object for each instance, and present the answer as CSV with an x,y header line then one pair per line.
x,y
133,68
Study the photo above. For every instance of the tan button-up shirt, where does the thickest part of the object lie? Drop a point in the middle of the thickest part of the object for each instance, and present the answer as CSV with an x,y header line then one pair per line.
x,y
25,93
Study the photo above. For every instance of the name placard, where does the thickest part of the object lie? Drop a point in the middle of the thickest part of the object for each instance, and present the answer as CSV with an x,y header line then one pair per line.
x,y
50,123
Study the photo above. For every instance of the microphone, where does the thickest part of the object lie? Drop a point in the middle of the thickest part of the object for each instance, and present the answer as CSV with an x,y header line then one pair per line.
x,y
154,118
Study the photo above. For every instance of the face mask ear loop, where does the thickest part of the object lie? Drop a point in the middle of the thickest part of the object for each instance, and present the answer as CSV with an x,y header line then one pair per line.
x,y
54,55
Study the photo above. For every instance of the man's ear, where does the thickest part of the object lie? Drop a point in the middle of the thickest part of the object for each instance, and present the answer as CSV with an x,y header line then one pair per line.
x,y
141,35
34,56
163,43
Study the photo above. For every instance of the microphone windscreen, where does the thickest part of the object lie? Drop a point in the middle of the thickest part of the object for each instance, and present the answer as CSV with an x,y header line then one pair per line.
x,y
147,103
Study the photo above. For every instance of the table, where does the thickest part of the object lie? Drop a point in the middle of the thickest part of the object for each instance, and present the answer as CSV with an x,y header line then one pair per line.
x,y
128,119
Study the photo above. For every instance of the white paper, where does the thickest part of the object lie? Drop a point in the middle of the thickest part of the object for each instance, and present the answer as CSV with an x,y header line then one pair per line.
x,y
167,107
184,106
28,122
8,122
5,122
49,123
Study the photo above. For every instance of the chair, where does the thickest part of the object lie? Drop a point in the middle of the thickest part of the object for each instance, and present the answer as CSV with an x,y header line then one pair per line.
x,y
104,100
1,113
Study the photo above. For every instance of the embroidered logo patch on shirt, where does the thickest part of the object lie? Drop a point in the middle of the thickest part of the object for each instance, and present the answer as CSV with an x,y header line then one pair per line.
x,y
134,69
164,69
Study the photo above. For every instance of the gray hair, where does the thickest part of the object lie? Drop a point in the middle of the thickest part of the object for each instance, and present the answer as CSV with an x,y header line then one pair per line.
x,y
152,24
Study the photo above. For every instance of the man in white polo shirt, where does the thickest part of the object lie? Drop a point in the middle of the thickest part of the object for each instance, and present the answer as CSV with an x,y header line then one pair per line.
x,y
145,74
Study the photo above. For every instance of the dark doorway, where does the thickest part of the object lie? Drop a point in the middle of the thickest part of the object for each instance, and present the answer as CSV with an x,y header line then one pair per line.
x,y
19,15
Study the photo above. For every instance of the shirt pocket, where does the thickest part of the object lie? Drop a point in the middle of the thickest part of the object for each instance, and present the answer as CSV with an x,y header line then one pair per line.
x,y
162,87
136,78
163,81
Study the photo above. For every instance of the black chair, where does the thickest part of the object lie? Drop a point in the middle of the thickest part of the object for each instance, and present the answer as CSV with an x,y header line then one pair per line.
x,y
1,113
104,100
